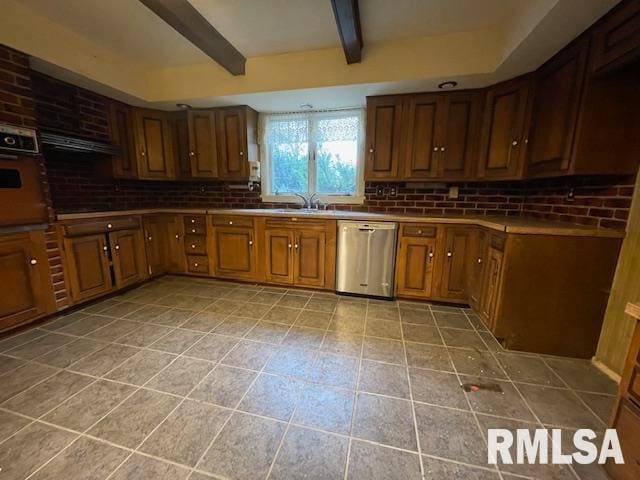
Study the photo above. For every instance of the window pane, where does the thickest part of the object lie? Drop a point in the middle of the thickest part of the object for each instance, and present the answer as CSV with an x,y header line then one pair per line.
x,y
288,145
337,154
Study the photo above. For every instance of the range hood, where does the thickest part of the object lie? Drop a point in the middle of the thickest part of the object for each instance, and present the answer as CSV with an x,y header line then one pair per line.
x,y
62,141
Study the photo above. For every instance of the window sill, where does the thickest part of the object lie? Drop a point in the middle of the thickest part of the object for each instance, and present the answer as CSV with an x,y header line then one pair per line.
x,y
324,199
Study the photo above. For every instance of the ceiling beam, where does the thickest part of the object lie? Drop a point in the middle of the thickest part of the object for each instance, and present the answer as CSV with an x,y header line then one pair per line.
x,y
347,16
185,19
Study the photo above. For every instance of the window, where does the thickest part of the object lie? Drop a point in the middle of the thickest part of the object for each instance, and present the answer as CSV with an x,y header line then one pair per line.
x,y
312,153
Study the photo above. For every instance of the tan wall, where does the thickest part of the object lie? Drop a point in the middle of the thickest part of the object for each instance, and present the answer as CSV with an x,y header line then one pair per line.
x,y
618,327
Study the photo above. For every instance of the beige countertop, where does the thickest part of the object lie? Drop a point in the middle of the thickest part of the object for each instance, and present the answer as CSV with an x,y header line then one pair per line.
x,y
514,225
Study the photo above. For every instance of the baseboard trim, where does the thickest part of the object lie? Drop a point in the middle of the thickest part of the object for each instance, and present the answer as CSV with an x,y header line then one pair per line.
x,y
606,370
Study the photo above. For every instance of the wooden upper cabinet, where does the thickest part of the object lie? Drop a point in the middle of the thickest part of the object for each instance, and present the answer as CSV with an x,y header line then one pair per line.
x,y
503,137
203,149
423,135
24,272
154,146
454,259
278,244
89,273
617,37
122,134
309,264
460,127
180,135
414,267
234,252
559,86
383,138
128,255
237,139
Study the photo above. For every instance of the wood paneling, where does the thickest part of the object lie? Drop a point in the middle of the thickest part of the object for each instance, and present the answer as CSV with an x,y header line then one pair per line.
x,y
618,327
384,136
24,273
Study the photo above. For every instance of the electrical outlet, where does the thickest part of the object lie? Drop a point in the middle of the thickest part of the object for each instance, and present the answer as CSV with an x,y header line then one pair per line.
x,y
393,191
454,192
379,191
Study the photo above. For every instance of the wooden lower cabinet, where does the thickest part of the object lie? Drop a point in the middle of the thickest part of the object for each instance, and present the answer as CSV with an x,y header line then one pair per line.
x,y
88,270
234,252
414,267
279,256
156,244
128,257
309,258
477,268
175,244
491,285
454,262
27,290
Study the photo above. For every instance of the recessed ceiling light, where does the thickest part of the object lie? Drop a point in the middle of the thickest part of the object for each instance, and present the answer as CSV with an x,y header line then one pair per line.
x,y
183,106
448,85
306,106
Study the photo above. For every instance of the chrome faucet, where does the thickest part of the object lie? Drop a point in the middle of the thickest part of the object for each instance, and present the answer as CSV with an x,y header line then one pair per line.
x,y
307,201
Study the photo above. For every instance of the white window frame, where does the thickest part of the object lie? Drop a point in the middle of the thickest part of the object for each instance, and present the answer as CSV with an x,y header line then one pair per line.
x,y
327,199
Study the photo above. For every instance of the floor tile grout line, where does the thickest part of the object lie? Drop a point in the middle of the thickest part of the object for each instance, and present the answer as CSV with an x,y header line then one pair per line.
x,y
409,384
475,416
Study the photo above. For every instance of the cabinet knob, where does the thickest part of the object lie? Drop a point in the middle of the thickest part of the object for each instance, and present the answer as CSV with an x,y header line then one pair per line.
x,y
230,222
241,154
195,264
109,225
117,247
449,254
191,154
296,246
430,254
193,230
419,232
177,237
371,150
289,245
193,245
33,261
479,260
526,140
193,220
143,153
150,237
250,243
442,149
435,149
514,143
104,247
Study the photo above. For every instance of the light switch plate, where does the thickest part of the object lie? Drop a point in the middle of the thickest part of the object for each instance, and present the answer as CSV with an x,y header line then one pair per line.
x,y
454,192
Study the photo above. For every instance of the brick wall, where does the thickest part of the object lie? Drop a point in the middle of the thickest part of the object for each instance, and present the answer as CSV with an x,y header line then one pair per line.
x,y
17,107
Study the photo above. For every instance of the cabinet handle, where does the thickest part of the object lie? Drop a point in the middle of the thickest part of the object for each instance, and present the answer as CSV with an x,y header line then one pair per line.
x,y
479,260
449,254
193,220
435,149
143,153
33,261
289,246
150,238
371,150
193,230
230,222
195,264
241,154
251,243
526,140
442,149
514,143
109,226
430,255
117,247
177,237
104,247
193,246
296,246
191,154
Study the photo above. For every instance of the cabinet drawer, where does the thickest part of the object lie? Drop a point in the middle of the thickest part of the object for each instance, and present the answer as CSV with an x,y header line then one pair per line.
x,y
231,221
418,231
195,229
100,226
197,264
191,221
195,244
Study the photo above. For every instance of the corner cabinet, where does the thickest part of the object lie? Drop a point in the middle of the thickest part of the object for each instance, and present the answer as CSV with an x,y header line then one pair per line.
x,y
27,289
299,252
154,149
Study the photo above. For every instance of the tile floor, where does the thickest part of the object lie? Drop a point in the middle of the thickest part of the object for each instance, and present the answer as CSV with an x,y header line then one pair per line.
x,y
187,378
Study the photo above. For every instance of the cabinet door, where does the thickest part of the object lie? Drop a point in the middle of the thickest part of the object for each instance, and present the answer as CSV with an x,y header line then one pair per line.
x,y
153,138
559,85
24,276
492,284
127,250
232,131
309,247
457,154
175,244
617,39
88,266
279,256
156,244
234,252
502,142
202,143
414,267
423,135
180,135
457,243
477,269
121,123
384,134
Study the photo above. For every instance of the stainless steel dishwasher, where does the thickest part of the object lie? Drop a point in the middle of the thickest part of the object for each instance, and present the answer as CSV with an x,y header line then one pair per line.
x,y
366,257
